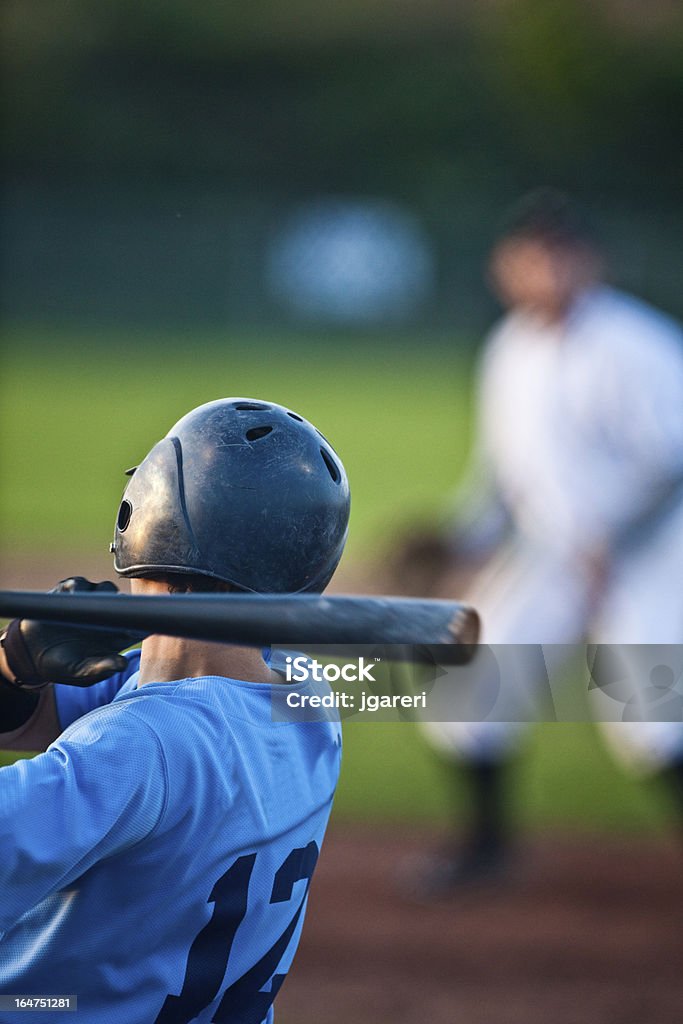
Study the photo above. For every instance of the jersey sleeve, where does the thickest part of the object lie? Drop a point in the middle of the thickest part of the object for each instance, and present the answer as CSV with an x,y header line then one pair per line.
x,y
75,701
99,789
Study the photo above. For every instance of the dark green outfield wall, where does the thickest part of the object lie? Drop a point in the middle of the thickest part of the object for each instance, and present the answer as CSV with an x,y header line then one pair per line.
x,y
151,148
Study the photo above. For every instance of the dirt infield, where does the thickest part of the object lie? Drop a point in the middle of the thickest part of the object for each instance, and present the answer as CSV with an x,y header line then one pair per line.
x,y
589,932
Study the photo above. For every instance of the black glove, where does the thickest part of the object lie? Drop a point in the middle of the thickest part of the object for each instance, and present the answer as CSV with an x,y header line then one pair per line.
x,y
49,652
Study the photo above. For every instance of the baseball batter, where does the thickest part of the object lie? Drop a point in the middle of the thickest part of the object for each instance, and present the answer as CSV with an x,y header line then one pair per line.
x,y
581,447
157,856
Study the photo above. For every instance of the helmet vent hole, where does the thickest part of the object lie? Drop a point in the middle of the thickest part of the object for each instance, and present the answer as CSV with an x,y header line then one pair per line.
x,y
256,432
123,518
332,467
252,407
294,416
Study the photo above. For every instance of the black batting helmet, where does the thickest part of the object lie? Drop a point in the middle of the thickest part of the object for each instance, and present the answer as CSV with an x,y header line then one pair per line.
x,y
239,490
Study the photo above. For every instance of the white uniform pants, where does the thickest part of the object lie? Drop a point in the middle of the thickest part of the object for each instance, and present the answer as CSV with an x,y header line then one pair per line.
x,y
530,595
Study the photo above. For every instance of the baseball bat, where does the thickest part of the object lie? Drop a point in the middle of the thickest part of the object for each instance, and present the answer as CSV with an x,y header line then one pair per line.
x,y
259,620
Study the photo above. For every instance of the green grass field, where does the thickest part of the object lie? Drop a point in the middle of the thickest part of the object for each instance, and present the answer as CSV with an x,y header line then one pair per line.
x,y
77,412
78,409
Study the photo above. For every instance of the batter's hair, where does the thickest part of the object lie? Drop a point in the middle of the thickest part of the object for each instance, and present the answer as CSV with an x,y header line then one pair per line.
x,y
550,216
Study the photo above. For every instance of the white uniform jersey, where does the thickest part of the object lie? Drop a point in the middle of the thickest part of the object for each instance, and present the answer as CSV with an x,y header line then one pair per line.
x,y
582,422
581,428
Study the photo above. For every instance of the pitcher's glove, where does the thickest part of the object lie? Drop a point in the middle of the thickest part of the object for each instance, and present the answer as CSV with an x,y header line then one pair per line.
x,y
39,653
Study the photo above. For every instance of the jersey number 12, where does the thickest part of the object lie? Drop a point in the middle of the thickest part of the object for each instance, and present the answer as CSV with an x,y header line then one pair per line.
x,y
207,961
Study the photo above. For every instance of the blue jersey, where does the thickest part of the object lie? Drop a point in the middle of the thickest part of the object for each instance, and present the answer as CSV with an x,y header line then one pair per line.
x,y
156,858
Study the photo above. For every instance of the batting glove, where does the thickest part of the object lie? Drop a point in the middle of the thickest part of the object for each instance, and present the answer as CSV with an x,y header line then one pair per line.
x,y
39,653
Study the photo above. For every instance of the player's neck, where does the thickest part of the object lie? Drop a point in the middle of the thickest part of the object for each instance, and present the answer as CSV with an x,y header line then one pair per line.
x,y
165,658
